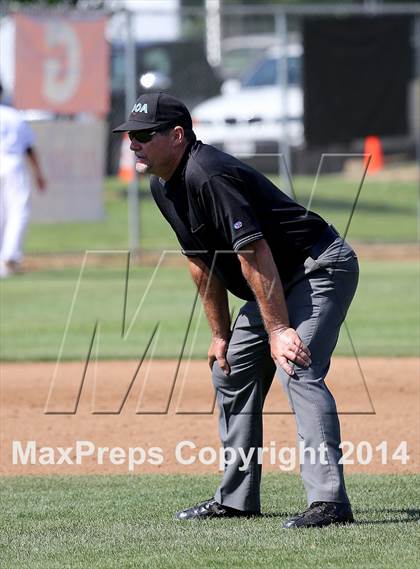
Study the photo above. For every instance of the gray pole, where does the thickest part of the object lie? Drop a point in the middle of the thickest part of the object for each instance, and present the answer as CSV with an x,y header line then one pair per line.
x,y
213,32
130,98
282,79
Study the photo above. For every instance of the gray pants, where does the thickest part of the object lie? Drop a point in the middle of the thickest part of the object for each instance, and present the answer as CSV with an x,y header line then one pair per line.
x,y
317,300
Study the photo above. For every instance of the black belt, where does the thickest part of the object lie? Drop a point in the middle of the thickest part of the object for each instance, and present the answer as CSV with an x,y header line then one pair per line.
x,y
328,236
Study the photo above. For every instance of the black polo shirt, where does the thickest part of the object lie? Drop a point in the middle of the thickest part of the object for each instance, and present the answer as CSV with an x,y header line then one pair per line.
x,y
217,205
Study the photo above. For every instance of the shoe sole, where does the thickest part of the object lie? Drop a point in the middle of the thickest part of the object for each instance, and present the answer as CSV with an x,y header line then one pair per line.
x,y
215,516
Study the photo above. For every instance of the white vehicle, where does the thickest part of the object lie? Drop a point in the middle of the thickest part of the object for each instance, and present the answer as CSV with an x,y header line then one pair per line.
x,y
240,53
251,117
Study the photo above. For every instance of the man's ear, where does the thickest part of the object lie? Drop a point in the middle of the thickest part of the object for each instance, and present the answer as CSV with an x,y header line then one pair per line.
x,y
178,135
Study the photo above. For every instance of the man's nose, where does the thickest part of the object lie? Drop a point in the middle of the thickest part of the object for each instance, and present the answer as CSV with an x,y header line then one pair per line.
x,y
135,145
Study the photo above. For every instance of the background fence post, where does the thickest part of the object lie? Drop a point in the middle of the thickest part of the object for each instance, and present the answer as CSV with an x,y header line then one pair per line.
x,y
282,79
130,97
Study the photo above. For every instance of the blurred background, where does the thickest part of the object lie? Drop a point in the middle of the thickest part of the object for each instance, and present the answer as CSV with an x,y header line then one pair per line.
x,y
278,84
311,93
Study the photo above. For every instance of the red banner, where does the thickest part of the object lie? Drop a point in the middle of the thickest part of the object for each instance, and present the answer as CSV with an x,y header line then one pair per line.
x,y
62,64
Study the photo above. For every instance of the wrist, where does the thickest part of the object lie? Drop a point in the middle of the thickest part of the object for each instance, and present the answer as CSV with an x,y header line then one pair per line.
x,y
224,336
279,329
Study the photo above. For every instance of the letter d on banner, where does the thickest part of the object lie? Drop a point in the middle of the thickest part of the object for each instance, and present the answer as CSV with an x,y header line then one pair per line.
x,y
62,63
61,75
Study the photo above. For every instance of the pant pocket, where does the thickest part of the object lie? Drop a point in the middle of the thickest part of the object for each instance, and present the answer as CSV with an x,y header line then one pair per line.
x,y
339,256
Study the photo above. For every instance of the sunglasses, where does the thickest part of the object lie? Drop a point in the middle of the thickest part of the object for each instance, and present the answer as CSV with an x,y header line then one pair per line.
x,y
144,137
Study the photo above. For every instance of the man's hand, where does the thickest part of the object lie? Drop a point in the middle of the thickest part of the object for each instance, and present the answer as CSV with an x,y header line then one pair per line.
x,y
286,345
217,351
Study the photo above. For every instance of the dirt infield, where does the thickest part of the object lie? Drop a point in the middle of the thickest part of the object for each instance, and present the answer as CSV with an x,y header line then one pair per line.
x,y
377,398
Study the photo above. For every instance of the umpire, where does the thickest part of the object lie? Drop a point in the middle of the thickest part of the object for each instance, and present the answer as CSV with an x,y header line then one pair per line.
x,y
241,234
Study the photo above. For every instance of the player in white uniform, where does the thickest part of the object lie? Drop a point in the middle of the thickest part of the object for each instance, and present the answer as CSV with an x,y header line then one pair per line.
x,y
16,143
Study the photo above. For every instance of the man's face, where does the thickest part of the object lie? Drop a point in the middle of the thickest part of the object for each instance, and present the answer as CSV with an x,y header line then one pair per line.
x,y
155,156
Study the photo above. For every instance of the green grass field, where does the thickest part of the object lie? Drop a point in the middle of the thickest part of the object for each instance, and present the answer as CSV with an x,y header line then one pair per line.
x,y
127,522
35,307
384,317
385,212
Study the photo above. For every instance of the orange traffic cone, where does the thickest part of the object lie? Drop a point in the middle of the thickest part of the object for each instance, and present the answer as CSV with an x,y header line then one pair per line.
x,y
126,171
373,150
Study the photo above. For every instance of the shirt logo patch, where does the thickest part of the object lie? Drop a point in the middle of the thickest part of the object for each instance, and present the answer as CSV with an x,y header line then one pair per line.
x,y
237,224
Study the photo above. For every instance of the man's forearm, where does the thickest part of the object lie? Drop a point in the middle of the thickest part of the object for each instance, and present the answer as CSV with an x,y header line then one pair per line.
x,y
34,161
214,298
260,271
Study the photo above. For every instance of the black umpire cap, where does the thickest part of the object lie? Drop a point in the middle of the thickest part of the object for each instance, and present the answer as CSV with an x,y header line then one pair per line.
x,y
155,110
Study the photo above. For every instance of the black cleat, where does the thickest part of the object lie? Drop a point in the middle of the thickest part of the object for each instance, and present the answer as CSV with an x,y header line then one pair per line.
x,y
321,514
212,509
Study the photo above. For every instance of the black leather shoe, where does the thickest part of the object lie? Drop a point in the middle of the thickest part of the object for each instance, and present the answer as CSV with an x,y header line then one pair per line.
x,y
212,509
321,514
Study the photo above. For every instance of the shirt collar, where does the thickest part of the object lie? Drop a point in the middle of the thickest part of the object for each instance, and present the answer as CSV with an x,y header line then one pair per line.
x,y
177,176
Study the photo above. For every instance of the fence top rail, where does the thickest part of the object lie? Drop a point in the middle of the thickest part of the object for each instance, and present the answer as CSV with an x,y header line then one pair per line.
x,y
334,9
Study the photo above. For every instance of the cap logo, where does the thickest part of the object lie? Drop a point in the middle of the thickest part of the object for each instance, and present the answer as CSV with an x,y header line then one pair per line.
x,y
139,108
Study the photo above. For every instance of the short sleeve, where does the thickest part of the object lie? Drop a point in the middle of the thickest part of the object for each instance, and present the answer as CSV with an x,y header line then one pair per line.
x,y
231,213
187,252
